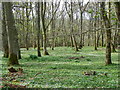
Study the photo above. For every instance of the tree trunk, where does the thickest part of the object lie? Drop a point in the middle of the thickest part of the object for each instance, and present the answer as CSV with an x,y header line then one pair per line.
x,y
43,9
95,38
117,7
98,38
71,39
81,36
71,27
4,35
95,43
108,33
27,29
75,43
102,37
38,27
53,27
12,34
113,47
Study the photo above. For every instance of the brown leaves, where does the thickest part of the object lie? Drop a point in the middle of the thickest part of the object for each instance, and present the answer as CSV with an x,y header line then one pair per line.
x,y
12,70
14,74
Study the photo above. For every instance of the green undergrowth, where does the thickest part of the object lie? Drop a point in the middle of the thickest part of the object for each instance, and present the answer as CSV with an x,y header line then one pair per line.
x,y
64,68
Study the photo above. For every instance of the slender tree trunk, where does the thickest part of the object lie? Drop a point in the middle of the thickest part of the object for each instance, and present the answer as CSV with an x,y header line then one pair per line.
x,y
38,31
71,39
71,26
19,54
4,35
108,34
81,36
75,43
95,38
12,34
88,38
43,9
98,38
102,37
27,29
53,27
95,44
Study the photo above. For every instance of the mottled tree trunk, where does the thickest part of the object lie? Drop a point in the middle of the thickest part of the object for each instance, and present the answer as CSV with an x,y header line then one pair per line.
x,y
12,35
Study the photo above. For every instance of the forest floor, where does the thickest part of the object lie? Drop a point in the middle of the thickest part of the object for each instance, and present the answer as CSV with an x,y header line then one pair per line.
x,y
63,68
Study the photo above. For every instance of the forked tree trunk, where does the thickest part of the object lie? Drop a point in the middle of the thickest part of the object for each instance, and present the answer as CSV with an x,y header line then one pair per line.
x,y
43,10
72,30
12,34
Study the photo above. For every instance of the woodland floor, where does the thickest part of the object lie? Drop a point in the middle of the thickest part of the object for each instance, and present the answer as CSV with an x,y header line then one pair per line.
x,y
63,68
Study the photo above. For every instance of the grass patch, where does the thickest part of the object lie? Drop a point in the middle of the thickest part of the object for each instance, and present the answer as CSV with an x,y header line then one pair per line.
x,y
58,71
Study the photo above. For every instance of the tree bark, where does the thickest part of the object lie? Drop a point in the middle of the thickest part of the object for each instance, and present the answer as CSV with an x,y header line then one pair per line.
x,y
71,27
117,7
43,10
38,33
4,35
108,34
53,27
27,29
12,35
